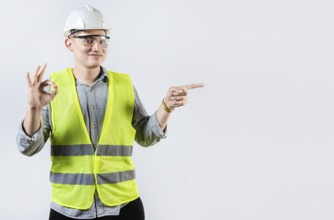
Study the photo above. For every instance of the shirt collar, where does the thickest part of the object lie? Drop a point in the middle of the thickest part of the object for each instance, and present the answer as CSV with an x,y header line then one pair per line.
x,y
104,74
104,77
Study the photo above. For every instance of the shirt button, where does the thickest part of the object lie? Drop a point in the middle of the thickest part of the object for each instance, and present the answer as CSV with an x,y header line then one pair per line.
x,y
93,126
92,107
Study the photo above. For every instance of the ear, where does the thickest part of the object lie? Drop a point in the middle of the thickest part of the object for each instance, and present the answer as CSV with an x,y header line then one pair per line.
x,y
69,44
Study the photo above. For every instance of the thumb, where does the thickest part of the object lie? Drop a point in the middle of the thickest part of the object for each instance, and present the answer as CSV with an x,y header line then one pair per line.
x,y
54,91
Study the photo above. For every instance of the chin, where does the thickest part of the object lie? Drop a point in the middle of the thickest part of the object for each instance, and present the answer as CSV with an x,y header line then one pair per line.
x,y
93,65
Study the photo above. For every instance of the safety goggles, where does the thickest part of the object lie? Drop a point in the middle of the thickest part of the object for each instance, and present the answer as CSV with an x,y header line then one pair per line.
x,y
91,40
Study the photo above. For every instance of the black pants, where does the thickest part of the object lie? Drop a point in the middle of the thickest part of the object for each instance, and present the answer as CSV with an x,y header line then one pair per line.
x,y
132,211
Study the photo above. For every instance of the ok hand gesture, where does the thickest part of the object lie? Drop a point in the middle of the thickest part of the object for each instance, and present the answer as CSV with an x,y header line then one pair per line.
x,y
37,97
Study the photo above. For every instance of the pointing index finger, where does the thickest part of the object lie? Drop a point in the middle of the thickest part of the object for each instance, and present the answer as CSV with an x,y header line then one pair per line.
x,y
193,86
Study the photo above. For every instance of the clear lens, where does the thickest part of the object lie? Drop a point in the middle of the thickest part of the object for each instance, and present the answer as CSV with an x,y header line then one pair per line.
x,y
91,40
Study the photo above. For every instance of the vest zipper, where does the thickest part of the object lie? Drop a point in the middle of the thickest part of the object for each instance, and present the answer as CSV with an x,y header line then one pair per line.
x,y
95,204
94,168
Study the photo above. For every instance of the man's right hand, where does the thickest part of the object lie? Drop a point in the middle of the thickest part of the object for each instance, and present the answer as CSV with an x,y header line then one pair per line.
x,y
37,97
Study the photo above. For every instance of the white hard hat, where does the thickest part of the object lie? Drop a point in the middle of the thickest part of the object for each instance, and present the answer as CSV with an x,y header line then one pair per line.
x,y
85,18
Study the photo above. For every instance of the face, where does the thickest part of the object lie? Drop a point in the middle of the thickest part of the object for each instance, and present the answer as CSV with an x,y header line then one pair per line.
x,y
88,52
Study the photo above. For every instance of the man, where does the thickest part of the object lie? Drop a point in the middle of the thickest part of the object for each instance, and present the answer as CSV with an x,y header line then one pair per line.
x,y
92,116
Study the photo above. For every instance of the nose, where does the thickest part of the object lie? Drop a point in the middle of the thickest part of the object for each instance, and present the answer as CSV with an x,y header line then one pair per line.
x,y
96,46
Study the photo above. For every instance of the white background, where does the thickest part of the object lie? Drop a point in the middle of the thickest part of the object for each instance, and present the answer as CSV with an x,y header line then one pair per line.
x,y
255,143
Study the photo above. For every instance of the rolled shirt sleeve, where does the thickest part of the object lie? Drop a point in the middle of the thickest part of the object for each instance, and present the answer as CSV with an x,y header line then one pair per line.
x,y
29,146
148,131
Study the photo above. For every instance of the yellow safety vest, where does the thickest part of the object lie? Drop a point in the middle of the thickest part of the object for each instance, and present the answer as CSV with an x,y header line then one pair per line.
x,y
77,169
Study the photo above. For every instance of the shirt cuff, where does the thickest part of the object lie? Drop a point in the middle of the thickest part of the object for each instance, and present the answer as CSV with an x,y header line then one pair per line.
x,y
26,140
153,124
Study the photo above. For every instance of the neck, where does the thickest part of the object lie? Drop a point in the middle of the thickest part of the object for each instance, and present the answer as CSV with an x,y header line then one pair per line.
x,y
86,75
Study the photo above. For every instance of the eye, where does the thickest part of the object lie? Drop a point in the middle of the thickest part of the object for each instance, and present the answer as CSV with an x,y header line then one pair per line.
x,y
103,42
88,41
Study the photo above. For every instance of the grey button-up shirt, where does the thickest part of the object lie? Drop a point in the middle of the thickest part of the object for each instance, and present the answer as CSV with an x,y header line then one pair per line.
x,y
93,100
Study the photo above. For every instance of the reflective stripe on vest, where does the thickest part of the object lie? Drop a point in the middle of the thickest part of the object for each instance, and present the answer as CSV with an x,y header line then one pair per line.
x,y
88,179
85,149
77,169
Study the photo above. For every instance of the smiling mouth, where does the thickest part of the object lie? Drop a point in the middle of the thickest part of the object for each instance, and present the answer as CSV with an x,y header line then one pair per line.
x,y
95,56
